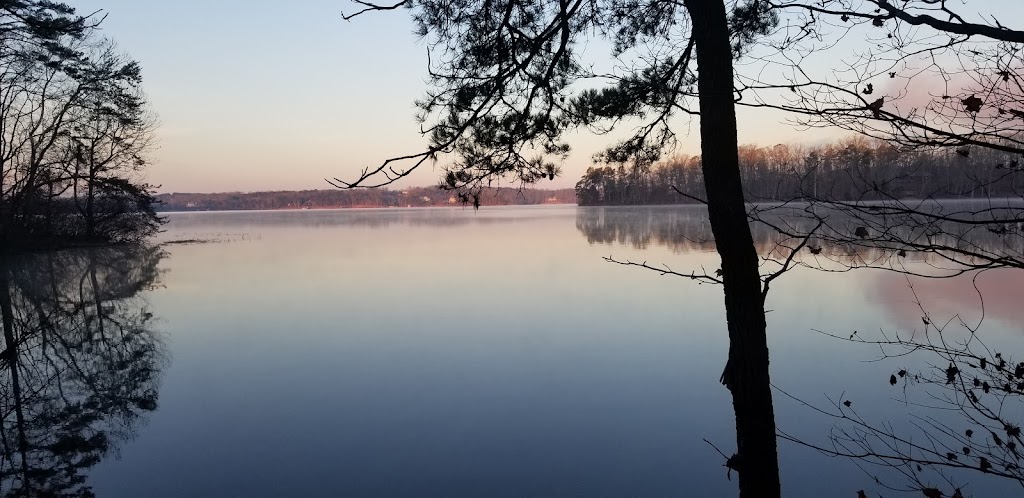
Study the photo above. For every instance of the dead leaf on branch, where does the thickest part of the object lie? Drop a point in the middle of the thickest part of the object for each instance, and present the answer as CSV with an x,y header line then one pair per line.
x,y
972,104
876,107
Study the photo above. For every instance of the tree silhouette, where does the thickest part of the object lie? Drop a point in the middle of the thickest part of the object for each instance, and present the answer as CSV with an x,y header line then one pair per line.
x,y
507,80
504,78
75,132
974,417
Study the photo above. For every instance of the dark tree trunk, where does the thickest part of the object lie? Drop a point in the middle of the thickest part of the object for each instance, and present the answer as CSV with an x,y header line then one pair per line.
x,y
746,372
4,225
90,216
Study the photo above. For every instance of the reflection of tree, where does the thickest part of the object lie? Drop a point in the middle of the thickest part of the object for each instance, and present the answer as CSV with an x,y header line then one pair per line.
x,y
80,365
948,248
678,228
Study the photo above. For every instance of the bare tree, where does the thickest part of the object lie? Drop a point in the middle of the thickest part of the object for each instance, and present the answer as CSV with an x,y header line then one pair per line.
x,y
74,129
112,135
918,81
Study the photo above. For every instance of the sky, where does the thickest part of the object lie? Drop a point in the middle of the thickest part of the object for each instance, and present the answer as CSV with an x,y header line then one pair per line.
x,y
258,95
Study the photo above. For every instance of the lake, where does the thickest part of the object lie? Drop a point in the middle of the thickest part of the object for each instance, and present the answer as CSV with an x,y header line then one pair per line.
x,y
439,352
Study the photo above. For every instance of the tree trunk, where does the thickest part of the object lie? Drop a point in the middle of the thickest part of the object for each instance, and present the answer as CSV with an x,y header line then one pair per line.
x,y
3,206
746,372
90,216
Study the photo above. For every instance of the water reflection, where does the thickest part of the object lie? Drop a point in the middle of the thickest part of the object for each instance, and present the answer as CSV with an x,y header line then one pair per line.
x,y
685,229
993,295
375,218
81,363
483,353
681,229
912,307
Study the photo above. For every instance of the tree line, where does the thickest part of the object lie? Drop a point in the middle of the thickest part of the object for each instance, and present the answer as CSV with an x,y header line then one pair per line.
x,y
75,129
854,169
376,198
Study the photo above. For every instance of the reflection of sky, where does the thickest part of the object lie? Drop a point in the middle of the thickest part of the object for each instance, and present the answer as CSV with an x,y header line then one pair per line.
x,y
998,296
493,353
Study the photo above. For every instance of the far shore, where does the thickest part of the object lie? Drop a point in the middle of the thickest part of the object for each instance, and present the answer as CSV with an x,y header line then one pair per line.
x,y
365,208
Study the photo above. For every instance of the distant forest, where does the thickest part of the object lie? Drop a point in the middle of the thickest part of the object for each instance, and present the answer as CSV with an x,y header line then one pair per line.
x,y
356,198
853,169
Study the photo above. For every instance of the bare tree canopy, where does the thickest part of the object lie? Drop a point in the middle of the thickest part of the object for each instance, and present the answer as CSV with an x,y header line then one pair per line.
x,y
76,131
916,80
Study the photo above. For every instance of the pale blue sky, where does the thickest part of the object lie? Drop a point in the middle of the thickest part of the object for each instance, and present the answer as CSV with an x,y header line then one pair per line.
x,y
260,95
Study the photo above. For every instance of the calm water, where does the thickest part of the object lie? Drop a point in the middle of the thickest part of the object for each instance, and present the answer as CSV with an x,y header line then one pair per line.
x,y
440,352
